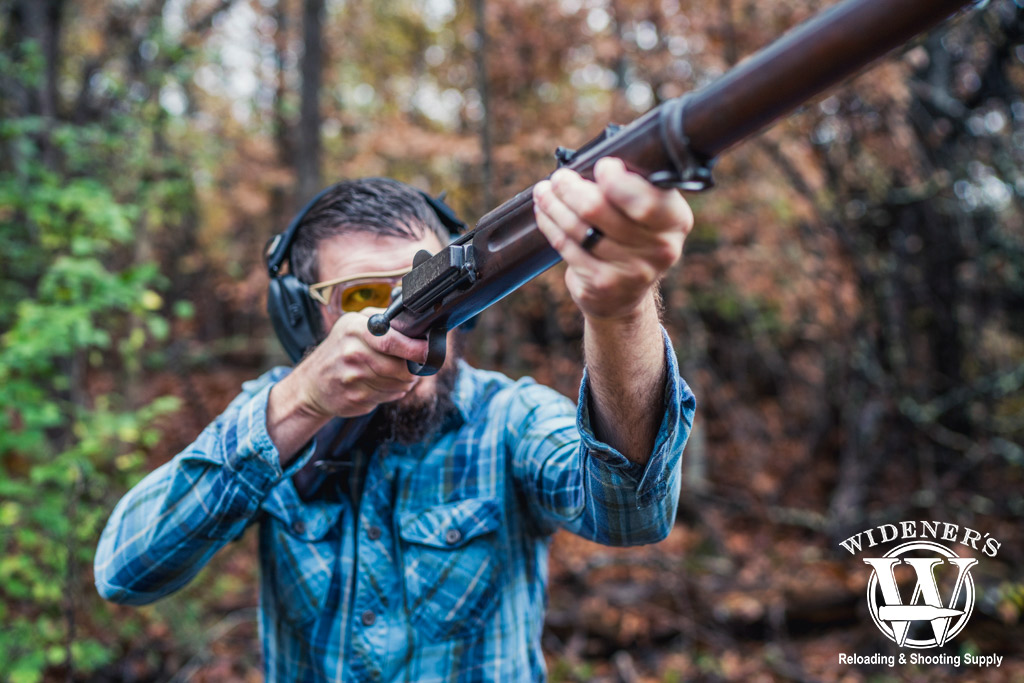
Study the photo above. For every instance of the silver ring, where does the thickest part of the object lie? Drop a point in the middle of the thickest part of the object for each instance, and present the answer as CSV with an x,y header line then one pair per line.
x,y
590,238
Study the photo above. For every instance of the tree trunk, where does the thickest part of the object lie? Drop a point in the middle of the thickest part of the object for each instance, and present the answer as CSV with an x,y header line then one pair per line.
x,y
308,153
480,7
281,205
42,19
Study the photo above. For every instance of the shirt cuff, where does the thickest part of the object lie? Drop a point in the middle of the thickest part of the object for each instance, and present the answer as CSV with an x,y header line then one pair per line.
x,y
255,459
651,479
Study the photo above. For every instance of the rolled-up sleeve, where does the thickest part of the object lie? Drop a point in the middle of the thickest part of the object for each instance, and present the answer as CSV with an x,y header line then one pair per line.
x,y
573,480
165,529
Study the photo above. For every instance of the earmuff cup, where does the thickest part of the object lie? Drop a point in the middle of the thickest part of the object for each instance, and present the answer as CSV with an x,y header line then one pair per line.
x,y
294,315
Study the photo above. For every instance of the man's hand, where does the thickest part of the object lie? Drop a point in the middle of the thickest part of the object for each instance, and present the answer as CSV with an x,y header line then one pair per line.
x,y
643,227
613,284
350,373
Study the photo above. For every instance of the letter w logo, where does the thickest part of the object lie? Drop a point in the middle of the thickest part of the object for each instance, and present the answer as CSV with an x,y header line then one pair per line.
x,y
925,604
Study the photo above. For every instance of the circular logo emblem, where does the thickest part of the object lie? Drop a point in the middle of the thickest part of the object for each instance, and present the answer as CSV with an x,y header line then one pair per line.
x,y
929,561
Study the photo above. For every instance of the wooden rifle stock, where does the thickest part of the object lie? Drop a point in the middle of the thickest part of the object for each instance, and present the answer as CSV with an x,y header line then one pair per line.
x,y
673,145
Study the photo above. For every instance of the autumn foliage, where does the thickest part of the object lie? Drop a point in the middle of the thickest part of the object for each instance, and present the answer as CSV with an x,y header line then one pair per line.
x,y
848,310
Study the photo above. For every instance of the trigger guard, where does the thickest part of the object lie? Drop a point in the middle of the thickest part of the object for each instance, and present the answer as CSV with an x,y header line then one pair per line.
x,y
437,349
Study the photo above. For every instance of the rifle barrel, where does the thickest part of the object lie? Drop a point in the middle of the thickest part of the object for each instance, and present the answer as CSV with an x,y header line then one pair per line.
x,y
804,62
510,250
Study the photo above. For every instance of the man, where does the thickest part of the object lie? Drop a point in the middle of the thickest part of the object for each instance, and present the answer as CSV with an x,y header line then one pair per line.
x,y
428,560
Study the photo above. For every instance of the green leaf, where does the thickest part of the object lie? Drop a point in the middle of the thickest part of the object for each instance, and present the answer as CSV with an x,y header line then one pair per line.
x,y
159,328
184,310
28,669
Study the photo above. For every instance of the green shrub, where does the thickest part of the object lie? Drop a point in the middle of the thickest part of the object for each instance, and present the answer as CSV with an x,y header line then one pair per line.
x,y
75,305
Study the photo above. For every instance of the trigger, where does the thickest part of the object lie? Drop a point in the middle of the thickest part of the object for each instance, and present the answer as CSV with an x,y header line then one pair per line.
x,y
437,349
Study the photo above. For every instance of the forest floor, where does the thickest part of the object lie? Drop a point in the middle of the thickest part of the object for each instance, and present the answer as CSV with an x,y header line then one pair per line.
x,y
726,597
661,613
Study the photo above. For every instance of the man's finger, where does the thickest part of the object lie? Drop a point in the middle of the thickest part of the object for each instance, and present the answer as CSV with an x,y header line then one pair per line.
x,y
560,240
556,209
387,393
393,372
650,206
394,343
562,225
588,202
580,205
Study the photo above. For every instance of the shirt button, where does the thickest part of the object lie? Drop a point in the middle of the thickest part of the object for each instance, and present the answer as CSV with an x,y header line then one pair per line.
x,y
452,536
369,618
373,532
298,527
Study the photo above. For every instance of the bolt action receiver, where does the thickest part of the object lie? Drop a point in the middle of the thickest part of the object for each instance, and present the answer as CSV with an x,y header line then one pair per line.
x,y
432,277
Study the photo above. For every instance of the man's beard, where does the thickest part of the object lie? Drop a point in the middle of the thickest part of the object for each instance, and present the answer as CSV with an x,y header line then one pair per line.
x,y
413,419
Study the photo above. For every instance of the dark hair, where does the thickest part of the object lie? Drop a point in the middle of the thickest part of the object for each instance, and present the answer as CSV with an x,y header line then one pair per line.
x,y
381,206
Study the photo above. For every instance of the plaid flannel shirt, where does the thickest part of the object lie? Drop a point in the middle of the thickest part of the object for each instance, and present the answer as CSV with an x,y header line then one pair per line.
x,y
439,573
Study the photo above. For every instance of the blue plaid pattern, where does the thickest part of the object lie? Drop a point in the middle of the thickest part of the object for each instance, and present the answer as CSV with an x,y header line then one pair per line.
x,y
440,573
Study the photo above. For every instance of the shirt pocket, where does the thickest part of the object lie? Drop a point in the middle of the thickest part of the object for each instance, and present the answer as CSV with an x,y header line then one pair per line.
x,y
299,553
450,564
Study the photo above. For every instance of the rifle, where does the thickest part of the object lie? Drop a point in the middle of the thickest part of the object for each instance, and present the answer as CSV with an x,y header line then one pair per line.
x,y
674,146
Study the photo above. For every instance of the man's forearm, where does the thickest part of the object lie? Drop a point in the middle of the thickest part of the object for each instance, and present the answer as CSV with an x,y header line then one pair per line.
x,y
626,368
165,529
290,424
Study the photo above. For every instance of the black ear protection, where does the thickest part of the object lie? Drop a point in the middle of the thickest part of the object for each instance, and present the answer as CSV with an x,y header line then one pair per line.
x,y
293,312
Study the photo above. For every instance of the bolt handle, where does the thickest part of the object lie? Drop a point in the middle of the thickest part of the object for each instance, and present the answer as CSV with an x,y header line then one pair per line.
x,y
380,323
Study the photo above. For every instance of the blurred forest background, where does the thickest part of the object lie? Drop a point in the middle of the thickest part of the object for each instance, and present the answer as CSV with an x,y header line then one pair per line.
x,y
849,311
